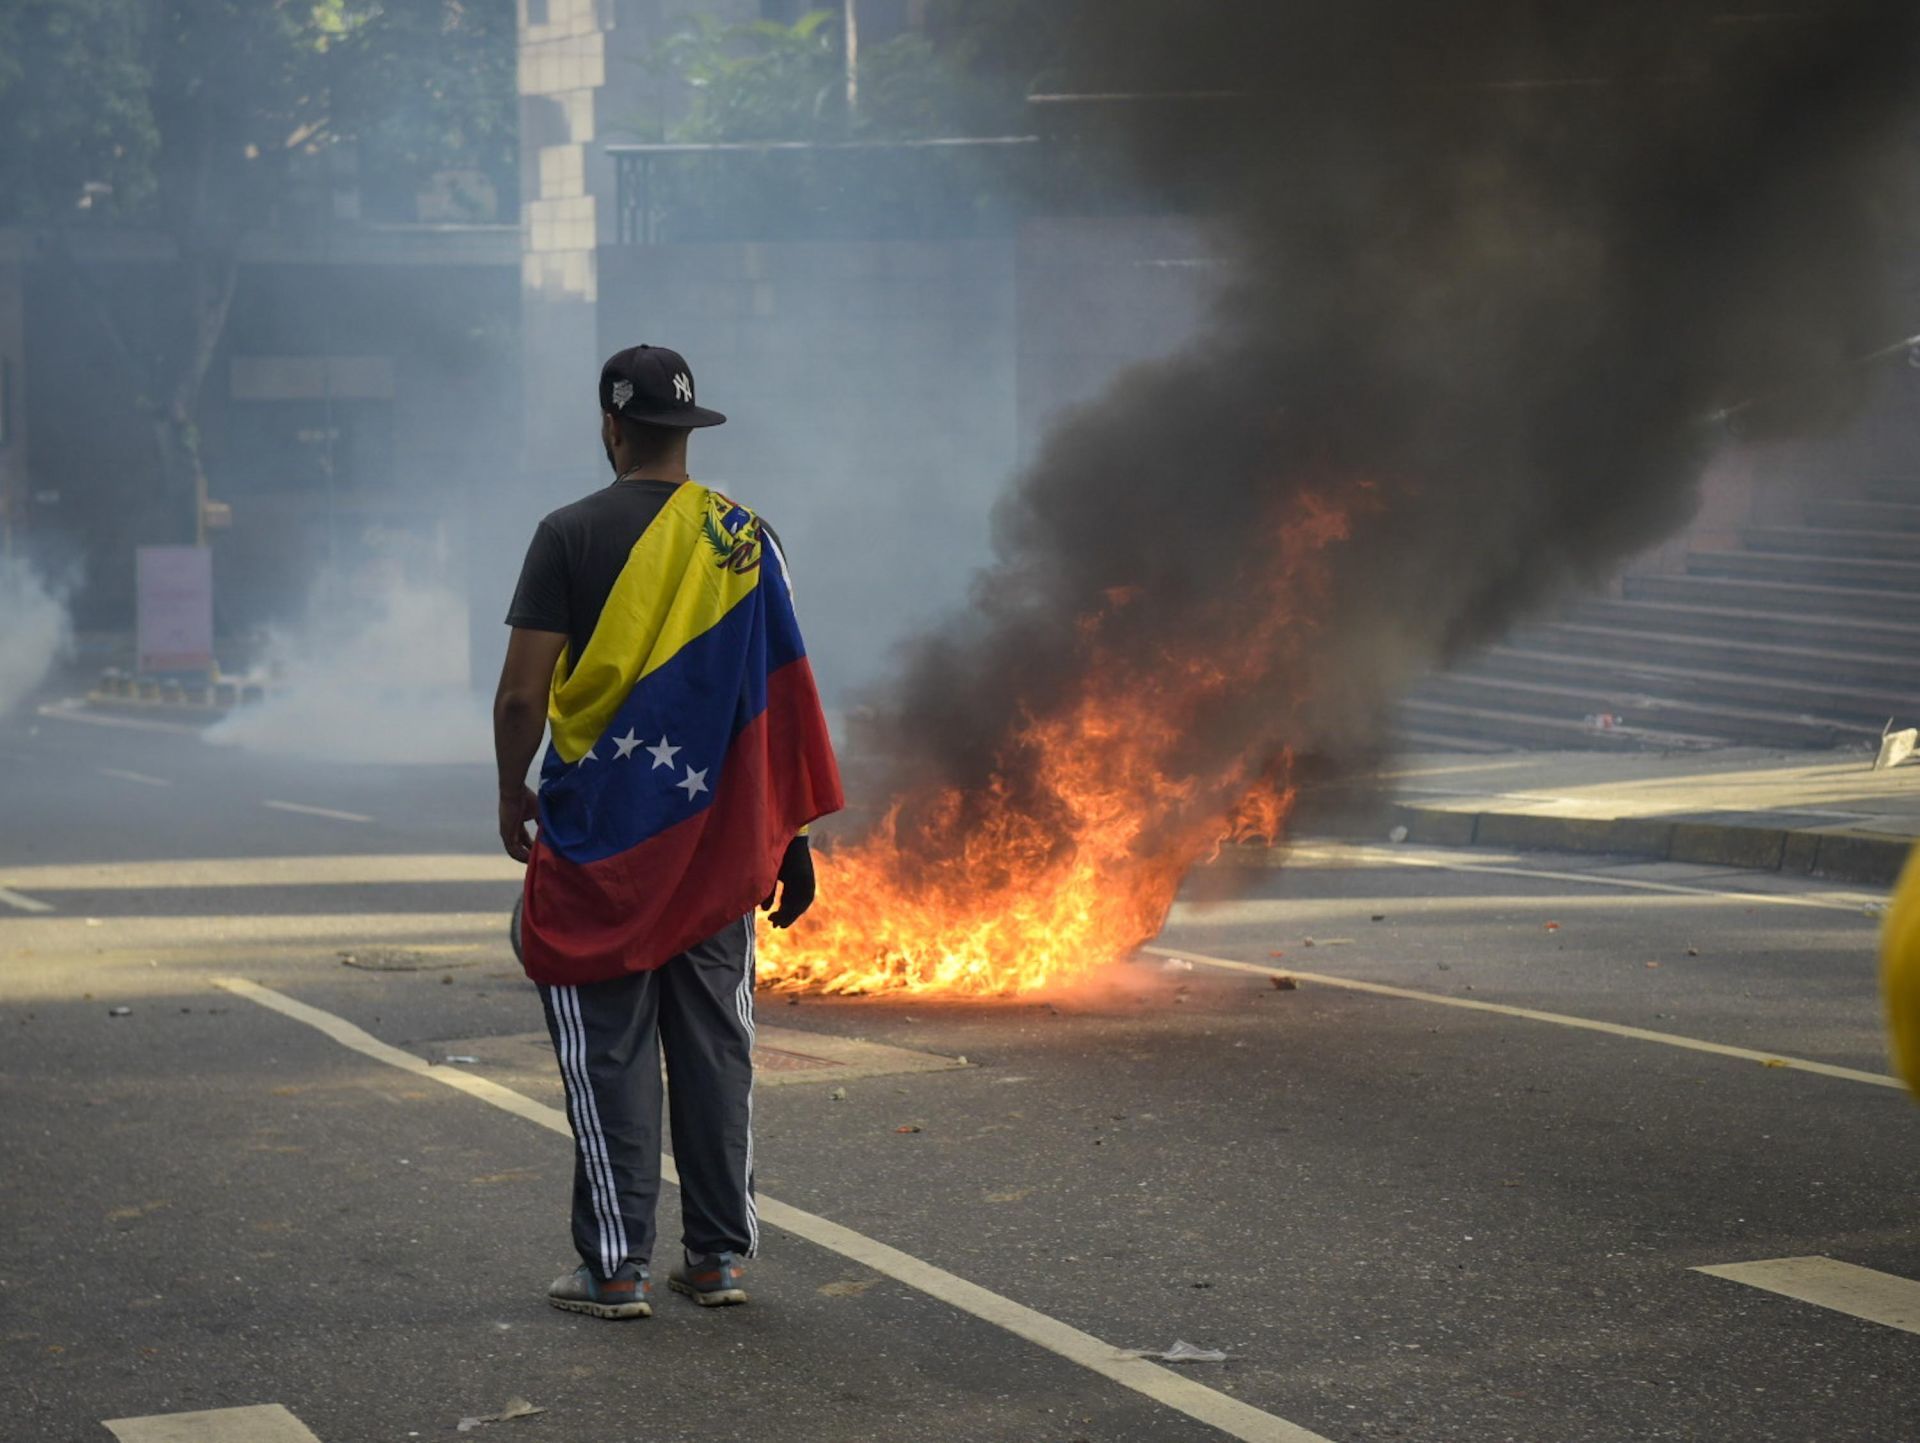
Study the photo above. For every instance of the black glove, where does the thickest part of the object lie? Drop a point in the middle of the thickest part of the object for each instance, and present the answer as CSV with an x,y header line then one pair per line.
x,y
794,884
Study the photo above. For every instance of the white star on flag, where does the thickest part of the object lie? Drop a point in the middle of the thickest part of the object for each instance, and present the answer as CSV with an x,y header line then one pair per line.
x,y
694,784
662,755
627,744
589,757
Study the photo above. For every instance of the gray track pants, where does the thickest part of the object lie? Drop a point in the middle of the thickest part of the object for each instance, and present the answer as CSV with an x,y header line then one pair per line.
x,y
608,1038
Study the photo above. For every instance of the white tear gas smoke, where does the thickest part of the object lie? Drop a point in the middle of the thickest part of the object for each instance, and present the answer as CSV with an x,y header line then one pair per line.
x,y
35,630
1488,264
381,680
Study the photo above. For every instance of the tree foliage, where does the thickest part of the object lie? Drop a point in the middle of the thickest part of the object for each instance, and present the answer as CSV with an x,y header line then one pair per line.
x,y
205,119
963,74
75,123
202,112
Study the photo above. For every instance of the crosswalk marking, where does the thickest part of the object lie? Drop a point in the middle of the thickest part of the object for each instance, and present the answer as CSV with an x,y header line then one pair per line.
x,y
1893,1302
268,1423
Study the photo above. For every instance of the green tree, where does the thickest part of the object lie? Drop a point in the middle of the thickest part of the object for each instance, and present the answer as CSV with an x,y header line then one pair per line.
x,y
759,81
203,119
966,72
75,126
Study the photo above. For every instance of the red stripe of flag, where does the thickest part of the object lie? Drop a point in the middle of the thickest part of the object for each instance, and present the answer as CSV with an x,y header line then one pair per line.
x,y
638,910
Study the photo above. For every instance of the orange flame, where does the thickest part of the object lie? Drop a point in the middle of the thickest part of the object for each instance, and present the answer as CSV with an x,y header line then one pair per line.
x,y
1032,882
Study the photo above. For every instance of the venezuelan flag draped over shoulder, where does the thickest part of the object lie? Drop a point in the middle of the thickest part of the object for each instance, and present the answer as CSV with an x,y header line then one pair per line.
x,y
688,748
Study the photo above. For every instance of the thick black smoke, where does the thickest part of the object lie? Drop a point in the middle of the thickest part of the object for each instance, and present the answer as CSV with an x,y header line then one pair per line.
x,y
1498,257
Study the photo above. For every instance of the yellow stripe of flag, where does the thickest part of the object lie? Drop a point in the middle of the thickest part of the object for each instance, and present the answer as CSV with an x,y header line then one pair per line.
x,y
672,590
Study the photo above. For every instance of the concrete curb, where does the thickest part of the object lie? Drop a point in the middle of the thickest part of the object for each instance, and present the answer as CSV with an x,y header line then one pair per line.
x,y
1870,858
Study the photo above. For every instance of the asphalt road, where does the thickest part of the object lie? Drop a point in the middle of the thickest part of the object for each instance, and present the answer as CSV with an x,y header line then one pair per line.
x,y
1398,1217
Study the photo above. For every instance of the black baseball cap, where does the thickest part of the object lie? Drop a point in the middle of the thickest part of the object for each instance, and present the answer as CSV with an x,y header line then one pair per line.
x,y
654,385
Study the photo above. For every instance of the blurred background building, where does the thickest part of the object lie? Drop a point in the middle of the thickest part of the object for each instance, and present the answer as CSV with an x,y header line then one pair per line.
x,y
333,302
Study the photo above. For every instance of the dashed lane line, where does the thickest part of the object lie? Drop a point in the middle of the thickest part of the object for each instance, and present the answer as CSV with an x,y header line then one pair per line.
x,y
268,1423
328,812
127,776
1530,1014
1883,1298
20,902
1197,1401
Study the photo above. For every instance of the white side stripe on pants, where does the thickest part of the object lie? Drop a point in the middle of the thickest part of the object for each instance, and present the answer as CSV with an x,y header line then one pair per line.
x,y
564,1052
743,1000
616,1224
586,1127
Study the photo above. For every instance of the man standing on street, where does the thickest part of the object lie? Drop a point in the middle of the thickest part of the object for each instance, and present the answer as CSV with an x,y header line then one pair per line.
x,y
653,629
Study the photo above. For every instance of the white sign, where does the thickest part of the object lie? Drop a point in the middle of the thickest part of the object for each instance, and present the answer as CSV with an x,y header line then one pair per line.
x,y
175,601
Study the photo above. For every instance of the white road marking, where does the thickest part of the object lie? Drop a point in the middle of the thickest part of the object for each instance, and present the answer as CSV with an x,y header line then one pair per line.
x,y
127,776
23,903
1846,1288
1824,901
221,873
1291,913
1197,1401
164,932
71,711
1558,1019
269,1423
307,811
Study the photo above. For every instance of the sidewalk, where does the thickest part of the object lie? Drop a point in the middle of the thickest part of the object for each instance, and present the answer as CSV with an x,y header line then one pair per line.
x,y
1823,814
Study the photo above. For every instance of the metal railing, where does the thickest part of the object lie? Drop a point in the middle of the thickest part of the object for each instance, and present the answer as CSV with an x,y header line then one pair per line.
x,y
801,190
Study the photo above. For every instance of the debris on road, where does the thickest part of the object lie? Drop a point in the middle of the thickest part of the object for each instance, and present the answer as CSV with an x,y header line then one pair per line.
x,y
839,1094
908,1127
1398,834
1180,1352
1176,964
465,1057
1895,746
1378,917
516,1408
119,1012
1553,926
1284,983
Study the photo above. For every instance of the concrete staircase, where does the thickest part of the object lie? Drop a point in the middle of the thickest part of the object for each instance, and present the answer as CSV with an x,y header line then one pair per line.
x,y
1804,636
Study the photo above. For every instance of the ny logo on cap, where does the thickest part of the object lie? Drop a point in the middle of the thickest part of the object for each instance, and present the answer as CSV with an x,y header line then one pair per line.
x,y
683,387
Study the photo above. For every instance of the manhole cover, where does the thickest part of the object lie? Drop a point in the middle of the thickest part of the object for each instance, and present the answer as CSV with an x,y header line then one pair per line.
x,y
404,959
778,1059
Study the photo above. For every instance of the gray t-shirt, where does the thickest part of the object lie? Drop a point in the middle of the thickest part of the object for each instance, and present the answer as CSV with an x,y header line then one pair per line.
x,y
576,556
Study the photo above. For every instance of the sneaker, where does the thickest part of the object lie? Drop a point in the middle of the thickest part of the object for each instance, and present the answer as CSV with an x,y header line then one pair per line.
x,y
712,1281
628,1294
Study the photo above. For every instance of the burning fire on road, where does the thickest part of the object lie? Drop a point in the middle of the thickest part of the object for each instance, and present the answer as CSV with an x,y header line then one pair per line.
x,y
1070,853
1483,267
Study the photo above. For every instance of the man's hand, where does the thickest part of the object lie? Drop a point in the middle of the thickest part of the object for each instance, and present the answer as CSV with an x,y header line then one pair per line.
x,y
519,718
794,884
516,811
